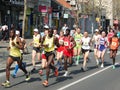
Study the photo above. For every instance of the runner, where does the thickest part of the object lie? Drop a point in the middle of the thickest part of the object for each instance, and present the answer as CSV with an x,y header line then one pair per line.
x,y
69,44
49,42
95,40
60,50
55,33
110,35
44,61
114,44
15,55
77,49
118,33
22,51
36,48
86,42
102,47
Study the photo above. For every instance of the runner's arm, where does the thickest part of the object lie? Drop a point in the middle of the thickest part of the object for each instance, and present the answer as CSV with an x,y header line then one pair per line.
x,y
20,45
74,43
56,42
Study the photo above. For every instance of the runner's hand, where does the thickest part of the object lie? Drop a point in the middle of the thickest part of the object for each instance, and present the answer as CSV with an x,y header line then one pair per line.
x,y
13,44
8,48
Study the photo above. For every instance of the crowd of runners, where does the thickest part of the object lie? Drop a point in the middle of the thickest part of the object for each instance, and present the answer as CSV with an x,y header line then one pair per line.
x,y
57,52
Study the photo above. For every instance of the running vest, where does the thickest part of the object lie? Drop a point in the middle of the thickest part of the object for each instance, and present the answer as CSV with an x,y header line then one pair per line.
x,y
86,43
36,40
102,41
96,38
67,42
78,38
61,40
50,43
14,51
114,43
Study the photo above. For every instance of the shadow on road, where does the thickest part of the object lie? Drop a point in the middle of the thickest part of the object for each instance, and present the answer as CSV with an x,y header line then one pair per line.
x,y
61,79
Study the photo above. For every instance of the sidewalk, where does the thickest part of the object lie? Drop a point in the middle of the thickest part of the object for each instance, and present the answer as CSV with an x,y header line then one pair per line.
x,y
4,54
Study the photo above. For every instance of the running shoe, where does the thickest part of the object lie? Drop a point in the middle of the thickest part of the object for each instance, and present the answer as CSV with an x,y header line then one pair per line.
x,y
56,73
66,74
77,62
45,83
27,77
102,65
6,84
97,63
40,72
113,66
60,68
33,70
14,76
82,69
24,64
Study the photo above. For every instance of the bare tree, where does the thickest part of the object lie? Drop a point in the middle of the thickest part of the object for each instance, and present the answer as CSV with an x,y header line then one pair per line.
x,y
116,8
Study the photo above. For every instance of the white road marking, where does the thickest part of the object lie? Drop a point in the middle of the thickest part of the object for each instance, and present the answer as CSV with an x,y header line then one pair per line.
x,y
82,79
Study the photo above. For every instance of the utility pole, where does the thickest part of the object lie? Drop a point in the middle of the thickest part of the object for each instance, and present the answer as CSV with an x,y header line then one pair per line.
x,y
24,17
93,17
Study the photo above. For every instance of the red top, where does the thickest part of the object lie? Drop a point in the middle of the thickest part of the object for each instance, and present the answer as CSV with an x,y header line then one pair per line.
x,y
67,42
110,35
61,40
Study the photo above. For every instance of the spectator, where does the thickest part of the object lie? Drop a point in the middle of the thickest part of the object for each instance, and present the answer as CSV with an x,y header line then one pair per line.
x,y
64,28
4,32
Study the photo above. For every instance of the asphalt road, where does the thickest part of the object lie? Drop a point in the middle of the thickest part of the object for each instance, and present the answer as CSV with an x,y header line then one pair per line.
x,y
93,79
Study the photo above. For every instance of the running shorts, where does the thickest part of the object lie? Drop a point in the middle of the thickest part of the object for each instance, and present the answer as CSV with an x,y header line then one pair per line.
x,y
15,58
68,53
101,47
85,50
60,49
37,49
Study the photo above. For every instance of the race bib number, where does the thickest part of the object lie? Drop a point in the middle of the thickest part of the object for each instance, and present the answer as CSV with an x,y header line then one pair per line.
x,y
60,41
86,43
66,43
77,40
102,42
114,44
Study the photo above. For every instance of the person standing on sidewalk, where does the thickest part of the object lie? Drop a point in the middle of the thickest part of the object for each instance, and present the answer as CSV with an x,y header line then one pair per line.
x,y
14,55
64,28
36,48
4,32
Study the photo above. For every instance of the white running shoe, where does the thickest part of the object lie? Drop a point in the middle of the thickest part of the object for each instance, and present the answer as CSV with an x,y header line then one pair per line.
x,y
66,74
77,62
97,62
102,65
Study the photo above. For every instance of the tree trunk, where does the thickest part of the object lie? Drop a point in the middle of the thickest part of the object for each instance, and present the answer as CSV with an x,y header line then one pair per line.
x,y
24,17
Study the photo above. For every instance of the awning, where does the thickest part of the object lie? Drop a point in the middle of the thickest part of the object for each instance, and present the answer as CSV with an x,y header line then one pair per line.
x,y
64,3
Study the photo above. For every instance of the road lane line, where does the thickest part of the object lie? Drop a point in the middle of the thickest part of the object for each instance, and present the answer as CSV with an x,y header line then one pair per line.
x,y
82,79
